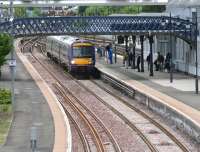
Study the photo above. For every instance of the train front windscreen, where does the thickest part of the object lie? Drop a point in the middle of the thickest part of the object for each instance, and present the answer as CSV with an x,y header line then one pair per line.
x,y
84,51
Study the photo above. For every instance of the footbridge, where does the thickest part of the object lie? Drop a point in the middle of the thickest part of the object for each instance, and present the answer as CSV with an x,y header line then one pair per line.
x,y
104,25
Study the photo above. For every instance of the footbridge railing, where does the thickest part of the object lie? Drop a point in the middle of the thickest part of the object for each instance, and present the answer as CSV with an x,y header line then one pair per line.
x,y
123,25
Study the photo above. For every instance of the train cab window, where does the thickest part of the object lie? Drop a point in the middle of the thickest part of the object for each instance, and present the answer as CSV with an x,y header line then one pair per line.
x,y
83,51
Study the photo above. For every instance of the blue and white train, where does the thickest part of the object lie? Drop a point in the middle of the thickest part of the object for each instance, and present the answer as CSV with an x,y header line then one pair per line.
x,y
77,54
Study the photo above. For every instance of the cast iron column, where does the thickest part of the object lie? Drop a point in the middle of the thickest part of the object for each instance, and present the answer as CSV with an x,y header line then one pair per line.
x,y
133,57
151,54
126,43
171,63
115,50
126,48
194,18
142,52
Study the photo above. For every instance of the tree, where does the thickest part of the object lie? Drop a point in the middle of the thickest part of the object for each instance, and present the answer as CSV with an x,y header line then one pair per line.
x,y
5,48
152,8
20,12
81,9
36,12
107,10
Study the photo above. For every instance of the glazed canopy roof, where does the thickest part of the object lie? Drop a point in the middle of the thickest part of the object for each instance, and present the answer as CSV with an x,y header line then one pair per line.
x,y
184,3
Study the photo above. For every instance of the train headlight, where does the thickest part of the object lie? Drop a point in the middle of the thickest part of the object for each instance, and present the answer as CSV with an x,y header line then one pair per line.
x,y
72,62
90,61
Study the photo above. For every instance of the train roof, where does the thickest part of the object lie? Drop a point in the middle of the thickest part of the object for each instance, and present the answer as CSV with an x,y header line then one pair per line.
x,y
68,39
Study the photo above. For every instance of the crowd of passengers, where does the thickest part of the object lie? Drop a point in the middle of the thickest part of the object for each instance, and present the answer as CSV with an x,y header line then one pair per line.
x,y
161,63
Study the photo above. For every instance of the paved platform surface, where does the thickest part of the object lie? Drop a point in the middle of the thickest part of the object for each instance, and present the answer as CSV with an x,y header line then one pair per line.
x,y
182,88
31,109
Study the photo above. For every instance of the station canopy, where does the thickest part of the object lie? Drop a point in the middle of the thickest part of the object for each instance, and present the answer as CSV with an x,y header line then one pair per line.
x,y
184,3
46,3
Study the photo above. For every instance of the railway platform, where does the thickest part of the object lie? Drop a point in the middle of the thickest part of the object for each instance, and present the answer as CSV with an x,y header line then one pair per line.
x,y
35,107
31,110
176,100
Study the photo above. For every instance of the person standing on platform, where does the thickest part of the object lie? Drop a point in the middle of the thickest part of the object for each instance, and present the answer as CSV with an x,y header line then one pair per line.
x,y
99,51
148,61
110,53
106,53
138,63
157,62
125,59
167,62
130,58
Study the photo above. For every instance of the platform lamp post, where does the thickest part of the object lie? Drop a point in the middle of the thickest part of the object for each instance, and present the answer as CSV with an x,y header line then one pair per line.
x,y
12,62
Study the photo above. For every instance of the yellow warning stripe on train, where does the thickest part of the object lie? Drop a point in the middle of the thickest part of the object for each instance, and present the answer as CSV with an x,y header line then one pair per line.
x,y
82,61
82,44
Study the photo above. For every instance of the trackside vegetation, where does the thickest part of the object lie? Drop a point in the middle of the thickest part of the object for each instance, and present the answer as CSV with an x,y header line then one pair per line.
x,y
5,95
108,10
5,113
5,48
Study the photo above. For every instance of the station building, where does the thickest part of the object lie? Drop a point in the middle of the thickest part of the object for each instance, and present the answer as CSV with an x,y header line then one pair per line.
x,y
183,55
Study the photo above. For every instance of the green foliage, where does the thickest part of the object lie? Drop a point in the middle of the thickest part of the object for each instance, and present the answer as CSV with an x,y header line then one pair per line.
x,y
20,12
81,9
36,12
5,96
107,10
152,8
5,47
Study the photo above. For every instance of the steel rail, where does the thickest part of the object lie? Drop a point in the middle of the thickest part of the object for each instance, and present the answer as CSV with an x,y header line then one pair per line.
x,y
130,124
142,136
162,128
98,141
80,133
116,146
114,142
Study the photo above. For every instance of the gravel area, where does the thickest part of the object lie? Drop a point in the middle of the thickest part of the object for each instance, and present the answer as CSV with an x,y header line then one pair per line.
x,y
124,135
155,135
127,139
77,144
190,144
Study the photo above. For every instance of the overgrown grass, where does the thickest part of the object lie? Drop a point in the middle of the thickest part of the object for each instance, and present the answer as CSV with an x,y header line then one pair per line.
x,y
5,114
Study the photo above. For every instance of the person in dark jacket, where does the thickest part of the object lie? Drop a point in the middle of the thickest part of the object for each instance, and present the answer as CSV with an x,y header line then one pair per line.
x,y
167,62
138,63
148,61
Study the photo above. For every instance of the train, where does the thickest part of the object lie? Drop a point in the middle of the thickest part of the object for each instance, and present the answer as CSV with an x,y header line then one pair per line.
x,y
77,54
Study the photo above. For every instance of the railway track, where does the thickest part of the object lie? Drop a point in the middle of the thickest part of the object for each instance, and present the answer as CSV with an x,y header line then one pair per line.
x,y
102,137
131,125
154,122
169,134
85,144
64,92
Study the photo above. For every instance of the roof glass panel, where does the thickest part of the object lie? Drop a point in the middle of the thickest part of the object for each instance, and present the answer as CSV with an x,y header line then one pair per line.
x,y
184,3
